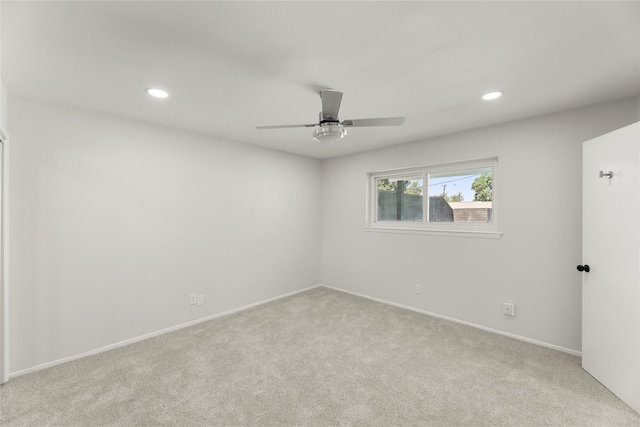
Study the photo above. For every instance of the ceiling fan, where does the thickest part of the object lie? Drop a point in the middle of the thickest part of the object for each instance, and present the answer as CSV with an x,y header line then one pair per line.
x,y
330,129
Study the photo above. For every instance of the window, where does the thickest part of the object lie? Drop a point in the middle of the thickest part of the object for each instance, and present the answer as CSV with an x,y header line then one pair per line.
x,y
452,199
399,198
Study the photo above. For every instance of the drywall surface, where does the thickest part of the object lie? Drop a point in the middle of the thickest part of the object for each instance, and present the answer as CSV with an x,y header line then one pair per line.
x,y
3,107
532,265
3,92
115,222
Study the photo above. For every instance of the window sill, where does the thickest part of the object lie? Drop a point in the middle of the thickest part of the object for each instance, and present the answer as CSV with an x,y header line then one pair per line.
x,y
475,234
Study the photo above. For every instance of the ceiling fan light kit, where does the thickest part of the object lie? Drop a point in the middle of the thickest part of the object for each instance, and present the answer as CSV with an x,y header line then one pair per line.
x,y
330,129
327,134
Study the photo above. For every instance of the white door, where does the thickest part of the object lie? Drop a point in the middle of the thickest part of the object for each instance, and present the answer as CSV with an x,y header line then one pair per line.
x,y
4,373
611,249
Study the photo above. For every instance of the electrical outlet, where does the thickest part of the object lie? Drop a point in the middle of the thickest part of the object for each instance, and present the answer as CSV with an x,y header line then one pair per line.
x,y
509,308
200,299
193,299
418,289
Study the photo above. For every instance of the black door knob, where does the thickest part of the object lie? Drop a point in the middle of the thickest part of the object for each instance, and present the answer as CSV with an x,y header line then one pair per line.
x,y
584,268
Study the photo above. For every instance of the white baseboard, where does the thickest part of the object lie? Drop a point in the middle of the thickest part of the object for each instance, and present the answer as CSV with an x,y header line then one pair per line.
x,y
495,331
151,334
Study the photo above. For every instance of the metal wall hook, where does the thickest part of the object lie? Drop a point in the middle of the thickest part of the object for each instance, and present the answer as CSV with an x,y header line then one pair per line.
x,y
604,174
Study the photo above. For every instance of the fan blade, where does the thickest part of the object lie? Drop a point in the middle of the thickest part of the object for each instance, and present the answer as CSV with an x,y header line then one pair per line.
x,y
331,100
285,126
386,121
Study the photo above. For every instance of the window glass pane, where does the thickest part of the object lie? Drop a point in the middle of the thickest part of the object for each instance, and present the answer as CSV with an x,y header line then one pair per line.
x,y
400,198
461,196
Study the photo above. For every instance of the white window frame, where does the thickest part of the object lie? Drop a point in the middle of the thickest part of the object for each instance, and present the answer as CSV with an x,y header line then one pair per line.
x,y
456,229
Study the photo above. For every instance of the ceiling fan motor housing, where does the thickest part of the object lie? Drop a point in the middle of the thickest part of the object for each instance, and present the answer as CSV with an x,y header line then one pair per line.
x,y
327,118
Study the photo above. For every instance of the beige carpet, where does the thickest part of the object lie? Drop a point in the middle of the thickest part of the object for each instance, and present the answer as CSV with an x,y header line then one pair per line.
x,y
322,358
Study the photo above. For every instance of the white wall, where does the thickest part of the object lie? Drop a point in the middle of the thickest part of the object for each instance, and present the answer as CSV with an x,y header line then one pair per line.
x,y
3,107
533,264
115,222
3,93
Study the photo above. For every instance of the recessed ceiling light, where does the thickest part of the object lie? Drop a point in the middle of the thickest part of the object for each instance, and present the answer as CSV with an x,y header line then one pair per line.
x,y
491,95
158,93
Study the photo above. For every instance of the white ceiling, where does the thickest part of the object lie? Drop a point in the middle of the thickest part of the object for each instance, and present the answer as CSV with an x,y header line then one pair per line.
x,y
231,66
